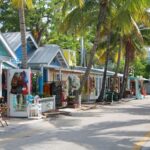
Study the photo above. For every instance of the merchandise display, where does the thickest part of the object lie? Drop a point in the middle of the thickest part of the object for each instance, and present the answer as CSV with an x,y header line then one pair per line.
x,y
18,85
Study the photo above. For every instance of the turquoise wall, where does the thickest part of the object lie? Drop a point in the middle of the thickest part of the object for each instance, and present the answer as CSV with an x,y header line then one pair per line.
x,y
3,51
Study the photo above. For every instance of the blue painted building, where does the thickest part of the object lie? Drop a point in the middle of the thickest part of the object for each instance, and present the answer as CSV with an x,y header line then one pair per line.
x,y
6,55
14,41
46,58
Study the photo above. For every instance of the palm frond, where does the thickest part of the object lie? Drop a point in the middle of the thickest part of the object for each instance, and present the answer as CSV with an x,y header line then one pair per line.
x,y
78,20
21,3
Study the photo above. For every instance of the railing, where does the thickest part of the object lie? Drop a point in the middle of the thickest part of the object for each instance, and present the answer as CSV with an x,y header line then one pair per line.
x,y
47,103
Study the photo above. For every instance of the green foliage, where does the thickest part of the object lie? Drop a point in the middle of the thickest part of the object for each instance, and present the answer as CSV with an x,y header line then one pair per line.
x,y
50,26
8,18
147,71
121,66
141,67
44,22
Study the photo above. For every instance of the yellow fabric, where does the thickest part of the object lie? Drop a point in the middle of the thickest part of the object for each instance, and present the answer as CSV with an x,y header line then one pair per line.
x,y
21,3
70,57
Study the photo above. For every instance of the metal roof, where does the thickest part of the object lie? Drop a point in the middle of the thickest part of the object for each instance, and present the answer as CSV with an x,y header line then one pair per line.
x,y
97,70
14,39
46,54
8,48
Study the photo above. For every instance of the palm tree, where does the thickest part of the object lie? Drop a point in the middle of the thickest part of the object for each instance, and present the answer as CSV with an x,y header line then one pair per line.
x,y
75,24
118,57
101,96
130,53
103,5
134,16
123,21
125,24
20,5
133,47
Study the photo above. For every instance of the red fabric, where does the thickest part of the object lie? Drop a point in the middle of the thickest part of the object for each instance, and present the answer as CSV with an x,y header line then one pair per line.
x,y
143,91
25,90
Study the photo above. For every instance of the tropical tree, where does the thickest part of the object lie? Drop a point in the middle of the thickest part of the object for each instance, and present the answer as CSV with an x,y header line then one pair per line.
x,y
20,5
43,20
103,5
118,57
132,39
126,13
8,20
125,28
101,96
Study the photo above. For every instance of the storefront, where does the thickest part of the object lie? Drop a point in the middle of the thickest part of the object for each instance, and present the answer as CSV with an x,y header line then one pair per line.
x,y
18,88
6,55
136,87
48,61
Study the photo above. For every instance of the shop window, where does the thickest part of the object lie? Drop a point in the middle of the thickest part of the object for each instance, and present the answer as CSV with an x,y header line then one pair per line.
x,y
58,77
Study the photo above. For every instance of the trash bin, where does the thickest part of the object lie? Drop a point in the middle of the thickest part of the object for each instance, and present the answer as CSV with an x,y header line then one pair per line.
x,y
109,96
115,96
112,96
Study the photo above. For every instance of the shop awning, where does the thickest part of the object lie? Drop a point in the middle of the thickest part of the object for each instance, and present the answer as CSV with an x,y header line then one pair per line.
x,y
8,65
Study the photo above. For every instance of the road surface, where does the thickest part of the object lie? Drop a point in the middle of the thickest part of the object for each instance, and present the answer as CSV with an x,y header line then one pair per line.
x,y
121,126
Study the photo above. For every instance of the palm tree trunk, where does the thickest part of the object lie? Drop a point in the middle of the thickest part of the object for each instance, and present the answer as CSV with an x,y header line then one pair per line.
x,y
101,96
119,56
101,19
125,74
23,36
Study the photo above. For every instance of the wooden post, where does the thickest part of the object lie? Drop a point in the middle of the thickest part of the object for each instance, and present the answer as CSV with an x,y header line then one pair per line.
x,y
41,81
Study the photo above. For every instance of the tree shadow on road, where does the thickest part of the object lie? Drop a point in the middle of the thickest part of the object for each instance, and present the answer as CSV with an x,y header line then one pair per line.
x,y
99,136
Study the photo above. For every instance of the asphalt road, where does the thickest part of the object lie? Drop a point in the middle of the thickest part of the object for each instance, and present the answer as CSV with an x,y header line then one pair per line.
x,y
123,126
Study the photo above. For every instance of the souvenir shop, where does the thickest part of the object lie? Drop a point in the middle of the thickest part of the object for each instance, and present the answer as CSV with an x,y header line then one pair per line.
x,y
18,88
22,99
136,87
61,83
64,83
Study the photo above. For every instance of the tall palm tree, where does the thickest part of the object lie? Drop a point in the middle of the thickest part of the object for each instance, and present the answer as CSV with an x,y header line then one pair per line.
x,y
135,15
102,92
125,12
103,5
133,47
118,56
20,5
75,24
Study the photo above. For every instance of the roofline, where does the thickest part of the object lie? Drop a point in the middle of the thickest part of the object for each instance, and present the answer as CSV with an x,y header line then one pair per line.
x,y
68,69
11,64
75,70
57,51
5,58
37,64
64,58
36,45
32,56
27,36
109,73
9,50
71,70
53,57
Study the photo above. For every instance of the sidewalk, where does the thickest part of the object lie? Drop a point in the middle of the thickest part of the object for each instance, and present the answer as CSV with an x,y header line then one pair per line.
x,y
107,127
14,123
146,146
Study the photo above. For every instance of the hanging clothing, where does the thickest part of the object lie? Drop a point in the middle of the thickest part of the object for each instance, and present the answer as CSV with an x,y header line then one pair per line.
x,y
19,83
46,89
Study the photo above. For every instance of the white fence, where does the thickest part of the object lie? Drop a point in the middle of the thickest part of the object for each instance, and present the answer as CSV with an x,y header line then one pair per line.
x,y
47,103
